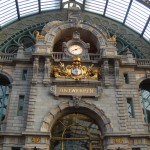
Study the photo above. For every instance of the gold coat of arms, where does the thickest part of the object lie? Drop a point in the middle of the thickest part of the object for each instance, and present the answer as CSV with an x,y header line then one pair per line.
x,y
76,71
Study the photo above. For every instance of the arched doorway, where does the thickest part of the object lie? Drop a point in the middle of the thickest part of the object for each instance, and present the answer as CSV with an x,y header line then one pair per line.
x,y
145,99
4,94
76,131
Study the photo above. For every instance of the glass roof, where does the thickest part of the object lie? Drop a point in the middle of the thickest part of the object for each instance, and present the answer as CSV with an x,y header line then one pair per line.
x,y
132,13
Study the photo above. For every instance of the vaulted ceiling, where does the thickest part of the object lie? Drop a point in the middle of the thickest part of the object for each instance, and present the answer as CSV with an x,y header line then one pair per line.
x,y
131,14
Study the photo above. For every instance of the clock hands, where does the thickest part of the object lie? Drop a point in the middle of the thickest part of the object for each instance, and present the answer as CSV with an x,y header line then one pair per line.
x,y
74,49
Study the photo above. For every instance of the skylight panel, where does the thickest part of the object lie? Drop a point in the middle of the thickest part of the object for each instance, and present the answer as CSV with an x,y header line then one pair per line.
x,y
117,7
137,16
137,27
65,1
146,34
8,12
96,6
50,5
79,1
27,7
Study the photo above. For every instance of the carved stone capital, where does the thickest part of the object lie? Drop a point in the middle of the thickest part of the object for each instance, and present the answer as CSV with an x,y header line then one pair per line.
x,y
53,90
77,100
34,81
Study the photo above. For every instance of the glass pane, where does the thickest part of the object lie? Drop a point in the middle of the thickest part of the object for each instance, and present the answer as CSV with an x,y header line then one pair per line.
x,y
76,129
27,7
137,12
20,105
96,6
6,16
117,7
4,94
130,108
50,4
145,99
146,34
79,1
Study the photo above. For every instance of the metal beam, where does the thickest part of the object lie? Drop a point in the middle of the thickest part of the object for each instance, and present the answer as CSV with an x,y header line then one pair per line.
x,y
61,5
39,3
17,7
105,7
83,5
148,20
127,11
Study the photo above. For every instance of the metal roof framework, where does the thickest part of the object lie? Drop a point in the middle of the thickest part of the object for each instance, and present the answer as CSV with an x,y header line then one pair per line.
x,y
134,14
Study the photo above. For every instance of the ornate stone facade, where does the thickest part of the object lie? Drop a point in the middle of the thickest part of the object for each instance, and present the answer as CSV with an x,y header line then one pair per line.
x,y
103,98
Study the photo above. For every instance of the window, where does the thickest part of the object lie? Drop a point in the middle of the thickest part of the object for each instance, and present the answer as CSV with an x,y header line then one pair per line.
x,y
146,105
130,108
126,78
24,75
16,148
4,94
20,105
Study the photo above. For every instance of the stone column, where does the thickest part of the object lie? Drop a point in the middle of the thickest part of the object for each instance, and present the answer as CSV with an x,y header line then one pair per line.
x,y
35,69
47,71
106,73
117,73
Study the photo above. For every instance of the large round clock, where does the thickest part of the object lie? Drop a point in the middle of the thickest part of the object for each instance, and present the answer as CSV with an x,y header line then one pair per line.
x,y
75,49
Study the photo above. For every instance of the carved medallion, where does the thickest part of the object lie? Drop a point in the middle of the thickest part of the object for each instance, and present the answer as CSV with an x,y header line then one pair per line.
x,y
36,139
118,140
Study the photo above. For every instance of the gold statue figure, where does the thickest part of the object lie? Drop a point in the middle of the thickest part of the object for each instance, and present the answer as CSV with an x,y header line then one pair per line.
x,y
112,39
38,35
76,71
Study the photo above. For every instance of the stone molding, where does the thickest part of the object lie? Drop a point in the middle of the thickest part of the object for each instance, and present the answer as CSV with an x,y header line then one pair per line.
x,y
50,117
7,75
96,31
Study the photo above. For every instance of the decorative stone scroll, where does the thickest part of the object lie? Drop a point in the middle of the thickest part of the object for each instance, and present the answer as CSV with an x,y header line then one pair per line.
x,y
76,91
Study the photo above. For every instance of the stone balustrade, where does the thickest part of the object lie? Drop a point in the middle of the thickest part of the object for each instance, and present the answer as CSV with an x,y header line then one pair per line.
x,y
57,55
143,62
94,57
6,57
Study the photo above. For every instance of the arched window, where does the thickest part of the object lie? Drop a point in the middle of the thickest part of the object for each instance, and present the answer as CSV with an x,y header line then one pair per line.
x,y
145,99
76,131
4,93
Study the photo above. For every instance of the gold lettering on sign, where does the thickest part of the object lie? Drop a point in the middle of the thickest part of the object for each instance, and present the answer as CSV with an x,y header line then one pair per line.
x,y
36,139
66,90
118,140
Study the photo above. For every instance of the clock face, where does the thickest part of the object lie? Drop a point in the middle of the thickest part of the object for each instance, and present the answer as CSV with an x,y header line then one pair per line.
x,y
75,49
76,71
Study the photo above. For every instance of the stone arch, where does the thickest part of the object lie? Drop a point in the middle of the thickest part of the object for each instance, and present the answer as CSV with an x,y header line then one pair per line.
x,y
54,33
144,83
6,75
68,107
141,79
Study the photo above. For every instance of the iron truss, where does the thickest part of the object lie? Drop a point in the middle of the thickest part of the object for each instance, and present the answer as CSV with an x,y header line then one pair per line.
x,y
27,38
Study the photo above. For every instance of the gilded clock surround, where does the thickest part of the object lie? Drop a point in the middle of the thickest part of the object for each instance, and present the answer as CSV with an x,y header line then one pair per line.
x,y
76,71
